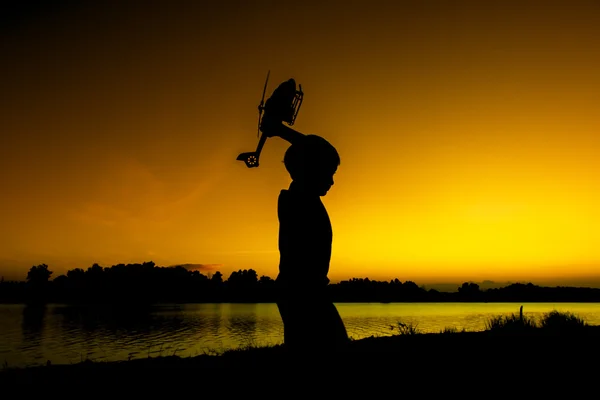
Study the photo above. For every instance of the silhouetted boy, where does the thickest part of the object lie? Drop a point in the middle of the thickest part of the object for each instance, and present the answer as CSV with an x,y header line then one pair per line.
x,y
310,319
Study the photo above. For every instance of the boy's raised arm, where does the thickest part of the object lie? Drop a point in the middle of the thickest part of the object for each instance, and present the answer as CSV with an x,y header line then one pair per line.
x,y
274,127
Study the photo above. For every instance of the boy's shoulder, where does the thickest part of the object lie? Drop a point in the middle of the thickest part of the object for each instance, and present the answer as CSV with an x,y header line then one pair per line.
x,y
287,195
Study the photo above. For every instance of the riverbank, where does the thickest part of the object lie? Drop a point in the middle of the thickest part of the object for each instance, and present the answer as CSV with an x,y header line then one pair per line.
x,y
538,351
556,352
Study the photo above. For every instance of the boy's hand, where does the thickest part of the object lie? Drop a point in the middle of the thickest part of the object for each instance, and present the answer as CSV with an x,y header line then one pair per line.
x,y
271,126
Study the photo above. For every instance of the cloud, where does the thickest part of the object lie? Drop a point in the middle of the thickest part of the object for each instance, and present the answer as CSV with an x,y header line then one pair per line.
x,y
199,267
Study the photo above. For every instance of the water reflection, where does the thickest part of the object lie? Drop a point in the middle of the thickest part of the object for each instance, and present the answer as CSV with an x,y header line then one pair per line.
x,y
243,322
213,318
111,319
67,334
32,325
32,329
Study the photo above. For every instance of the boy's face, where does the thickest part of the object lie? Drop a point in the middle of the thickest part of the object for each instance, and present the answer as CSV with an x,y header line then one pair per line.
x,y
323,181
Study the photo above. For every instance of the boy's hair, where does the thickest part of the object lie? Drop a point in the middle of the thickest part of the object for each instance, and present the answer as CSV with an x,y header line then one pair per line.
x,y
310,155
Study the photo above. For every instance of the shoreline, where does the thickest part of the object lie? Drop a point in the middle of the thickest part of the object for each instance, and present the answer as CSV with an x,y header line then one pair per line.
x,y
559,349
362,301
536,349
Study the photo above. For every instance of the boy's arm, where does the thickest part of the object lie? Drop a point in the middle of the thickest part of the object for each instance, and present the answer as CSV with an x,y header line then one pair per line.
x,y
274,127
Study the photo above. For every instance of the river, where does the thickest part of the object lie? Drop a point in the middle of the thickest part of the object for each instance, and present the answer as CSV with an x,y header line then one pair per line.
x,y
69,334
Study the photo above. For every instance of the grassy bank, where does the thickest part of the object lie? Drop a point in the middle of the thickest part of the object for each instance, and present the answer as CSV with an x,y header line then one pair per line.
x,y
555,341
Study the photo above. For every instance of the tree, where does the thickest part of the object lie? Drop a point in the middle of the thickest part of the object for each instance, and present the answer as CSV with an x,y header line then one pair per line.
x,y
95,271
39,274
469,288
245,277
76,275
217,278
38,279
469,291
266,280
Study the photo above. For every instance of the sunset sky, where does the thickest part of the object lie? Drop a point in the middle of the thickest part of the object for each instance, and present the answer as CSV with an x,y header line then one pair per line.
x,y
469,135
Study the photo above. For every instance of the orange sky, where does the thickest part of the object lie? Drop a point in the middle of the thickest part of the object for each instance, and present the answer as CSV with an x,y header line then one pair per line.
x,y
468,132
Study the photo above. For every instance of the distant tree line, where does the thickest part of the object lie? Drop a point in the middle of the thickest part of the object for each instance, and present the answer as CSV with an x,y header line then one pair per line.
x,y
147,283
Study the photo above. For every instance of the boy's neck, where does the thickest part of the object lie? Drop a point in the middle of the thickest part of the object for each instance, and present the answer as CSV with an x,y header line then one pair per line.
x,y
299,188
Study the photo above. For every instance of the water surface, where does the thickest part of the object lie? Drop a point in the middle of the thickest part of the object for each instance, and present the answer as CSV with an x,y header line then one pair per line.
x,y
68,334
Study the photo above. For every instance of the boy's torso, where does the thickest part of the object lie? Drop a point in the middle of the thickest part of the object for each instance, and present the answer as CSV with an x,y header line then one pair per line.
x,y
305,238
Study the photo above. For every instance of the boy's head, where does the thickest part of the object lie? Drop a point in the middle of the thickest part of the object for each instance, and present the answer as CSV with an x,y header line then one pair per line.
x,y
312,162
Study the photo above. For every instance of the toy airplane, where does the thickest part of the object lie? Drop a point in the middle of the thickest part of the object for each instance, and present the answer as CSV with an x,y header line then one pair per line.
x,y
282,106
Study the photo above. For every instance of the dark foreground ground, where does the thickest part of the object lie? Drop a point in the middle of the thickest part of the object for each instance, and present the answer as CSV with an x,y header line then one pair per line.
x,y
536,360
